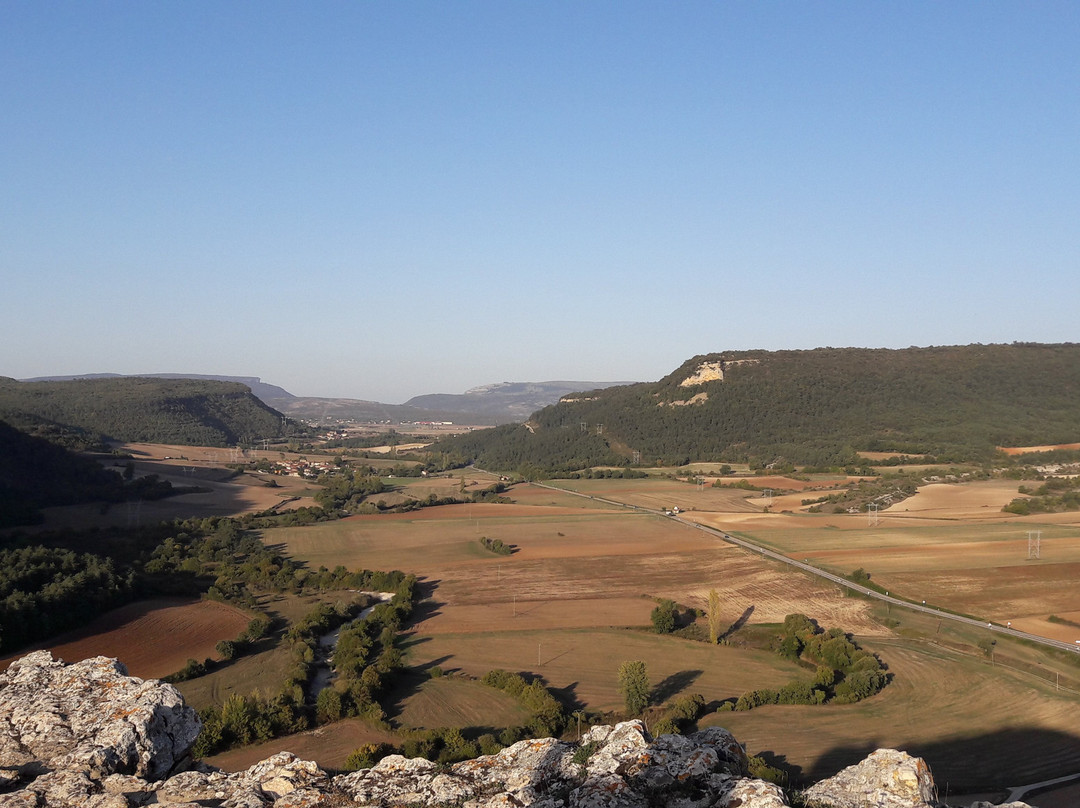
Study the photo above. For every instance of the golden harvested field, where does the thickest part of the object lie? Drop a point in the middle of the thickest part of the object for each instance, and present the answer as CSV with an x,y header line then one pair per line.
x,y
454,701
572,569
582,663
134,634
1015,450
969,501
976,726
979,569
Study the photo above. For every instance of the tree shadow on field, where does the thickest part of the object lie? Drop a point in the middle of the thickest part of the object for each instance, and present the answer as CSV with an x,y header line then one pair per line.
x,y
567,697
745,616
407,683
673,685
792,772
426,605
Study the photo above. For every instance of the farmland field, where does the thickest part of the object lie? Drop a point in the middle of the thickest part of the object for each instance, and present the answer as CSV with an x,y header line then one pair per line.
x,y
571,569
979,569
265,668
585,572
574,597
330,745
134,633
452,701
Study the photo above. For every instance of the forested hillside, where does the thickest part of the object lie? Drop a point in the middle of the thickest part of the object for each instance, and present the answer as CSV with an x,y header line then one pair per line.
x,y
816,407
261,390
187,411
35,473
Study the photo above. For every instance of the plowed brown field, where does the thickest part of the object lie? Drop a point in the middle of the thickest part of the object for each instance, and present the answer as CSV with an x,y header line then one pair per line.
x,y
153,638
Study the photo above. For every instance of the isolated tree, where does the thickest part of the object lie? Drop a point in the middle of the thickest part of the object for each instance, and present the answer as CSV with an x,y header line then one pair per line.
x,y
634,686
664,616
713,615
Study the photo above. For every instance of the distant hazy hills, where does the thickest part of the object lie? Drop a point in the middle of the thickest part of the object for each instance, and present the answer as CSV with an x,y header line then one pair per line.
x,y
816,407
504,402
514,401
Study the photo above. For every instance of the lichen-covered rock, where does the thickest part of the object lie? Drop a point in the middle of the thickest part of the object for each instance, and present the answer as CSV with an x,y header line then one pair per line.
x,y
886,779
754,794
627,768
91,717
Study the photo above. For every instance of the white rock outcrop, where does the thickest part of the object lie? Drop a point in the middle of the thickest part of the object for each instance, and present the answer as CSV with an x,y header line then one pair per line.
x,y
90,717
88,735
886,779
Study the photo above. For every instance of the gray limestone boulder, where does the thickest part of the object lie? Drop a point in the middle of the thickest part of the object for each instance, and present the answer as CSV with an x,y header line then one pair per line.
x,y
886,779
91,717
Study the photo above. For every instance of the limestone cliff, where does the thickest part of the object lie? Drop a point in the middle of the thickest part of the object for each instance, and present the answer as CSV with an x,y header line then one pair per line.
x,y
89,735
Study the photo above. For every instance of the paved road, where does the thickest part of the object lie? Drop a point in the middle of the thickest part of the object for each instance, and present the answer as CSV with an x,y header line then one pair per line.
x,y
812,570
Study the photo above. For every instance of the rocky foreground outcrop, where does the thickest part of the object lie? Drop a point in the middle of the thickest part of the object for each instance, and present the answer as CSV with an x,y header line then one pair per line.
x,y
89,735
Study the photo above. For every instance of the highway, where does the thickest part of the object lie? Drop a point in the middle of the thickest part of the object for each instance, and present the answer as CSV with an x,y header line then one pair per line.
x,y
820,573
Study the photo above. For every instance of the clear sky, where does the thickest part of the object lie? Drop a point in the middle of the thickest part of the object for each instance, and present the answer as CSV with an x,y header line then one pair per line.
x,y
383,199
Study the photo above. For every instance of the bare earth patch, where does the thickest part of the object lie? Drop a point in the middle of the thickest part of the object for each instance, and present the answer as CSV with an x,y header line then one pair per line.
x,y
1016,450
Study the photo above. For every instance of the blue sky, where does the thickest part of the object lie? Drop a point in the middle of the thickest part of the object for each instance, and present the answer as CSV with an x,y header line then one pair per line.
x,y
384,199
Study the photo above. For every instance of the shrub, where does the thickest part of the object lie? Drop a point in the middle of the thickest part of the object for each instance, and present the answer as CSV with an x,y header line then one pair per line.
x,y
666,726
584,752
488,744
226,649
758,768
368,755
497,546
687,708
192,670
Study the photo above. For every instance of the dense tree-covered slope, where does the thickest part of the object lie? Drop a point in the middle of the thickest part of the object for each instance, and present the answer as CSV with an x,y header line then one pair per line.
x,y
35,473
262,390
812,407
187,411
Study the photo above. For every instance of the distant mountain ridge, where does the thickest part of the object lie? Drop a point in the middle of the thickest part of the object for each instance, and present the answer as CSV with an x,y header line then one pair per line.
x,y
508,400
259,388
489,404
330,410
811,407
